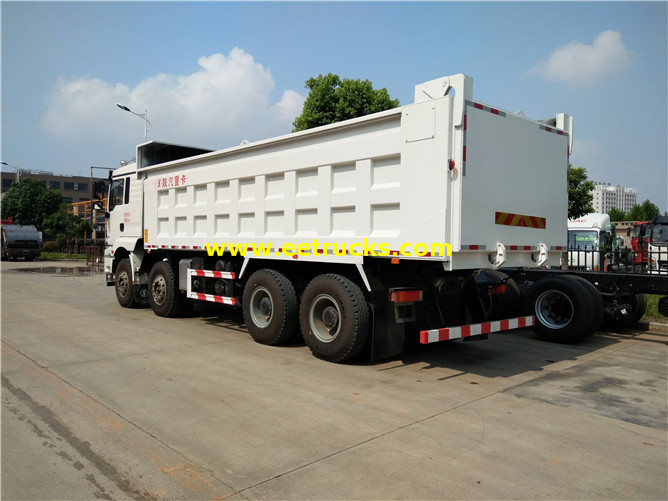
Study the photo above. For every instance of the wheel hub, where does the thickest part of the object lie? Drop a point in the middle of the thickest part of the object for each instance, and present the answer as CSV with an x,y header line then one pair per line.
x,y
554,309
265,306
330,317
325,318
159,289
123,284
261,307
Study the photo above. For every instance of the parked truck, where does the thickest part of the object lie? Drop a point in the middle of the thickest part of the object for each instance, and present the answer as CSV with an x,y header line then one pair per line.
x,y
591,242
437,220
657,245
20,241
639,234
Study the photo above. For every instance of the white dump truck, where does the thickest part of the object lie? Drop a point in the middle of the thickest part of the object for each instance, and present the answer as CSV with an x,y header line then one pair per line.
x,y
418,221
591,239
657,246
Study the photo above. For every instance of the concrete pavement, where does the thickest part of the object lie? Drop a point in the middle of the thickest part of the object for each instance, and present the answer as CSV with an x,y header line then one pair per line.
x,y
100,402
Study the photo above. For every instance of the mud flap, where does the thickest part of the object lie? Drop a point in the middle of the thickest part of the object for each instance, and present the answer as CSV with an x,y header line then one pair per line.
x,y
387,336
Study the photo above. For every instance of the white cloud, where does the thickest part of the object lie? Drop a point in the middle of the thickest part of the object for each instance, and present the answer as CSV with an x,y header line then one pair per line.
x,y
227,100
580,64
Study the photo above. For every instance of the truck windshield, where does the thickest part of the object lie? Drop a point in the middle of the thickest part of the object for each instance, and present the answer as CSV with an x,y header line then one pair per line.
x,y
582,239
659,234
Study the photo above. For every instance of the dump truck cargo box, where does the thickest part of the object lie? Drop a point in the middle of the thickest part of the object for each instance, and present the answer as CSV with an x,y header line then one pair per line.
x,y
487,186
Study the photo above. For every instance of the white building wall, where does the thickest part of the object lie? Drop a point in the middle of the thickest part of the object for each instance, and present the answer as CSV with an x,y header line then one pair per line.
x,y
607,196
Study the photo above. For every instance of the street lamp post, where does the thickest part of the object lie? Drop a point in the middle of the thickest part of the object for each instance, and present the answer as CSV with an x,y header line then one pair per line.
x,y
93,219
140,115
17,170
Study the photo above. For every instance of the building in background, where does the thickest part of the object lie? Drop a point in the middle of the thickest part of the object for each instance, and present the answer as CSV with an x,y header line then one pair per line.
x,y
74,189
608,196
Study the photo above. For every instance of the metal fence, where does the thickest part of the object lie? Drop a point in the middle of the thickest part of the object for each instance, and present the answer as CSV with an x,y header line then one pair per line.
x,y
651,261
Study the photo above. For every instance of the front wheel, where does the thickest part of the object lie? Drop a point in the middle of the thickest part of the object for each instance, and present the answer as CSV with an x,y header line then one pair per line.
x,y
561,309
335,318
127,293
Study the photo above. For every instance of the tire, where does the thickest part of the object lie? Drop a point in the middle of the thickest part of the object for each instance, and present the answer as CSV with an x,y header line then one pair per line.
x,y
270,307
638,303
560,305
595,302
163,296
335,318
127,293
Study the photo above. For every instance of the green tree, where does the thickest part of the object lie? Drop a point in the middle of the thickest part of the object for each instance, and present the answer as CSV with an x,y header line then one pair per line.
x,y
63,226
617,214
644,212
332,100
579,193
29,201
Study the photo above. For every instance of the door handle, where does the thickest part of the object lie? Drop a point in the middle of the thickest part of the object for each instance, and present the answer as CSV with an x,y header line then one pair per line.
x,y
122,226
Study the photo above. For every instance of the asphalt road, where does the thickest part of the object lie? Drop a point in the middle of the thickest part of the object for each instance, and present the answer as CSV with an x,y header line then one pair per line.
x,y
100,402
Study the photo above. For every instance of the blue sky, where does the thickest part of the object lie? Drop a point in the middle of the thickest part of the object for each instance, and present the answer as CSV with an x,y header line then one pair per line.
x,y
212,74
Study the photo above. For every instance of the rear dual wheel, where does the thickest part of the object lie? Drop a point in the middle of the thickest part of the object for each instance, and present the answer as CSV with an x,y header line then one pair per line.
x,y
335,318
270,307
333,314
566,308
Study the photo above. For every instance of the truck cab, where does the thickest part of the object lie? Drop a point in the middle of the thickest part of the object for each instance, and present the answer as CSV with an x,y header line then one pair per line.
x,y
591,239
124,217
125,228
657,247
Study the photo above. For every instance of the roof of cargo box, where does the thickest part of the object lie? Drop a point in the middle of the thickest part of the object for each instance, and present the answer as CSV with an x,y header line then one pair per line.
x,y
153,153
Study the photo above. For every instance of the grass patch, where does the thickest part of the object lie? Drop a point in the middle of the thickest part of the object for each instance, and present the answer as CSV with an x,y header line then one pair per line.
x,y
60,256
652,312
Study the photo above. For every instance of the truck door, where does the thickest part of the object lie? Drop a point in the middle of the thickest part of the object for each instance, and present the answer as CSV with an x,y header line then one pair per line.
x,y
124,208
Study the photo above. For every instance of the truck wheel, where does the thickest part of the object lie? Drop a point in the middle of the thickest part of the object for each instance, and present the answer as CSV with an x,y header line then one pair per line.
x,y
638,303
561,309
334,317
126,292
595,303
163,296
270,307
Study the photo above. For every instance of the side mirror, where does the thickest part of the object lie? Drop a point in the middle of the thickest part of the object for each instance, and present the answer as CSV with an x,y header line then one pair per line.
x,y
98,189
106,215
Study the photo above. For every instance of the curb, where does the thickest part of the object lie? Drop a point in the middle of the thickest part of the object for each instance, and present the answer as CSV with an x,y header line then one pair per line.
x,y
655,327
